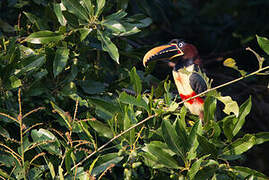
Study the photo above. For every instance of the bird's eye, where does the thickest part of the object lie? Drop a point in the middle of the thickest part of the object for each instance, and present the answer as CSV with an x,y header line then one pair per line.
x,y
180,44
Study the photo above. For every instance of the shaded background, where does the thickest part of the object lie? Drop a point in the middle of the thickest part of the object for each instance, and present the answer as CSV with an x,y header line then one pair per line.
x,y
219,29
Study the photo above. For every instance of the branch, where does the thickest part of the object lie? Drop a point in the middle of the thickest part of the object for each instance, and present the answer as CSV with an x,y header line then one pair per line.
x,y
155,115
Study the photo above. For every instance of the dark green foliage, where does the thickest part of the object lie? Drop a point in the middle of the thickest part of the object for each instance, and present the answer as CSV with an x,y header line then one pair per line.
x,y
75,103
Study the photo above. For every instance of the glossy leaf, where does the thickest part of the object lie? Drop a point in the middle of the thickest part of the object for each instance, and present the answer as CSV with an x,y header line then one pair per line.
x,y
129,99
135,81
263,43
129,120
60,60
195,167
92,87
262,137
76,8
100,6
44,37
30,63
58,12
116,16
206,146
243,112
162,156
182,134
209,108
228,126
107,107
239,146
104,162
245,172
51,144
101,128
84,32
88,5
172,139
62,113
108,46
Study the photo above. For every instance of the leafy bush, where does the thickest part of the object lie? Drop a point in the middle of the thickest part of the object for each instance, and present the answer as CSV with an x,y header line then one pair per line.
x,y
73,105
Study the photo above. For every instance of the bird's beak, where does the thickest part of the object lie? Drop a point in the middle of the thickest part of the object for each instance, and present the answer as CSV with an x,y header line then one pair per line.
x,y
164,52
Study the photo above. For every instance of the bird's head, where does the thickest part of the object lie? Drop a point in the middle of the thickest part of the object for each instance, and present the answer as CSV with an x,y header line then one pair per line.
x,y
176,51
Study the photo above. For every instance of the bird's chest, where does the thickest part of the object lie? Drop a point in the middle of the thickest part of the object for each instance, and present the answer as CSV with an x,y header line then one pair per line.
x,y
182,80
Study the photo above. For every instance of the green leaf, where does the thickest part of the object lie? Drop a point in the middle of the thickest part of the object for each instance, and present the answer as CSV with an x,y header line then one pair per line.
x,y
60,60
129,120
44,37
14,82
210,105
30,63
52,144
100,7
135,81
74,7
243,112
109,108
104,162
228,126
84,32
62,113
263,43
102,129
206,146
239,146
182,134
245,172
88,5
108,46
58,12
116,16
128,99
92,87
162,156
195,167
115,26
230,62
230,105
262,137
172,139
192,140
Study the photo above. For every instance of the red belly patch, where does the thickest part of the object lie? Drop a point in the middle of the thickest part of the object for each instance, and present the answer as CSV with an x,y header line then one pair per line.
x,y
195,100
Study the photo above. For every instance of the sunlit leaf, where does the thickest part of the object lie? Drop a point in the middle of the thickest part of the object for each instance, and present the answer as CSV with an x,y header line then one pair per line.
x,y
231,106
239,146
263,43
44,37
52,145
195,167
58,12
243,112
245,172
76,8
100,7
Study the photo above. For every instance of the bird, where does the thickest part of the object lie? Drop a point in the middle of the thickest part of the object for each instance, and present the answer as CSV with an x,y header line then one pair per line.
x,y
184,58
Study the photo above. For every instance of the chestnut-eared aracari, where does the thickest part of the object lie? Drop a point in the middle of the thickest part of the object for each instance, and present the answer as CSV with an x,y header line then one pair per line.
x,y
185,61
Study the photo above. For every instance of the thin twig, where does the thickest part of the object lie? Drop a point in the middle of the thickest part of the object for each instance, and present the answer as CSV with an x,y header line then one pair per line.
x,y
114,138
155,115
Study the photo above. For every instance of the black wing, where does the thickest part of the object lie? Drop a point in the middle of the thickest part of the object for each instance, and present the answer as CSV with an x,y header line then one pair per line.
x,y
197,83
